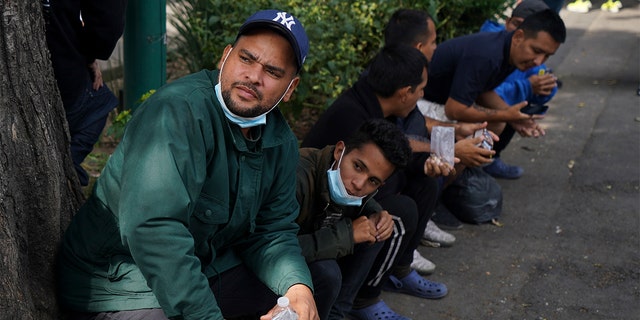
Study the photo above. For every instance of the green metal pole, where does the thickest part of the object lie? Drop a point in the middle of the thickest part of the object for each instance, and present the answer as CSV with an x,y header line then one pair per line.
x,y
145,49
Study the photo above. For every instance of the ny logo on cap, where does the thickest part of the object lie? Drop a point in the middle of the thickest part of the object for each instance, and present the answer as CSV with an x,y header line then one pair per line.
x,y
286,21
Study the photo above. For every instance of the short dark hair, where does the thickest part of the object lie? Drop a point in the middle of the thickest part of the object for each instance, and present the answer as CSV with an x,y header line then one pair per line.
x,y
407,26
528,7
387,136
394,67
546,20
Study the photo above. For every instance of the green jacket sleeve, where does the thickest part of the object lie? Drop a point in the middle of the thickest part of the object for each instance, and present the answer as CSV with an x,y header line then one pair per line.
x,y
162,173
328,243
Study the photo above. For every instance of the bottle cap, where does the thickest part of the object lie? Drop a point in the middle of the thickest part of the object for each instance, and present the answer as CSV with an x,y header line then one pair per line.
x,y
283,302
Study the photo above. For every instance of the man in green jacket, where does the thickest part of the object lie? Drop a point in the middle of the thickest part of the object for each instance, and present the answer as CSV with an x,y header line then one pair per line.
x,y
341,226
194,214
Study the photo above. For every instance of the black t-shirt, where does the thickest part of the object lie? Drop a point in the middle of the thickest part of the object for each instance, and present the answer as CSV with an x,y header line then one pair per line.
x,y
353,107
462,68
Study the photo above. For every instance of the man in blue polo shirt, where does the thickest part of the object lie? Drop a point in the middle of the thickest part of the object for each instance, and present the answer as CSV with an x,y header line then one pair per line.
x,y
536,85
465,70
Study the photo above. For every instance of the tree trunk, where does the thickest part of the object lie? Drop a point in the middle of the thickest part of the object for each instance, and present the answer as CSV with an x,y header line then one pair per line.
x,y
39,190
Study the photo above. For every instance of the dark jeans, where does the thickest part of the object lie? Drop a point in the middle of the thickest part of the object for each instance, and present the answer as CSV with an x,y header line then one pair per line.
x,y
424,190
336,282
142,314
405,213
413,207
505,137
238,291
86,119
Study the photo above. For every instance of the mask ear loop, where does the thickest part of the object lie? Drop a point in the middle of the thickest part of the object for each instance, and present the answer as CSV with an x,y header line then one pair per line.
x,y
283,94
339,160
341,155
222,66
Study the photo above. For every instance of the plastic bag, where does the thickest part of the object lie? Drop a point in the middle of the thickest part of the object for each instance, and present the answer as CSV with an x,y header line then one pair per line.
x,y
474,197
443,140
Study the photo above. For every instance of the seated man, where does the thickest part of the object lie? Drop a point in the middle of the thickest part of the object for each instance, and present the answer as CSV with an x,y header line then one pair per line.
x,y
416,28
391,88
536,85
342,227
79,33
465,71
194,214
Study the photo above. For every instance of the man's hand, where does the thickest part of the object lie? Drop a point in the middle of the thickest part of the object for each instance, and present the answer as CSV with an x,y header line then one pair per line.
x,y
528,128
435,167
97,75
363,230
383,225
471,154
514,113
301,301
466,129
542,85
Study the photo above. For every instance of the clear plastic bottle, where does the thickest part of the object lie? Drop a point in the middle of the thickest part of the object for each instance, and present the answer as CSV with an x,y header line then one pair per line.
x,y
283,311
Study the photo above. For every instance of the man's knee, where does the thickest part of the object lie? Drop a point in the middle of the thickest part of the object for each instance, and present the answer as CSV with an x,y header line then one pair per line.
x,y
403,207
326,273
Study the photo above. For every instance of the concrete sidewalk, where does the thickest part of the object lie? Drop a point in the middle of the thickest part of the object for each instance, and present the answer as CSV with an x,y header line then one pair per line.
x,y
570,245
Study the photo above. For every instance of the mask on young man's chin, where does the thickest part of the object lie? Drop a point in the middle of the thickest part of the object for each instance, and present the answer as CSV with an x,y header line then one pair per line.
x,y
337,190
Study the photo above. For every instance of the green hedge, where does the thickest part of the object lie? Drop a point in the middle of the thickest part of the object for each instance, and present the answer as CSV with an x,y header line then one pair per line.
x,y
343,35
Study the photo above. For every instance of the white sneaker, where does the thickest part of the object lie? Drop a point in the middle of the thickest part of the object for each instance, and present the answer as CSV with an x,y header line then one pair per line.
x,y
421,264
435,237
581,6
611,6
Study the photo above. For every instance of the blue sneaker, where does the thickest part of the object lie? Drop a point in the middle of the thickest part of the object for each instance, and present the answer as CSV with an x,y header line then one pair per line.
x,y
499,169
377,311
415,285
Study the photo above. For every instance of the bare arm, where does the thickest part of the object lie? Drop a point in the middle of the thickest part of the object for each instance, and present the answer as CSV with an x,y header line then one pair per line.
x,y
500,111
419,146
492,100
430,123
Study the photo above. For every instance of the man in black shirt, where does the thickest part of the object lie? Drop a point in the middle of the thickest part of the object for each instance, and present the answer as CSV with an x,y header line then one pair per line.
x,y
79,33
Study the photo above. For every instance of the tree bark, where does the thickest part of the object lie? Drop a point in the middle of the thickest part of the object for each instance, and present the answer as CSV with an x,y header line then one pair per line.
x,y
39,190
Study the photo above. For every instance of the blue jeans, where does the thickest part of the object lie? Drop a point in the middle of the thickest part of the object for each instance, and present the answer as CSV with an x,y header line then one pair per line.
x,y
336,282
86,118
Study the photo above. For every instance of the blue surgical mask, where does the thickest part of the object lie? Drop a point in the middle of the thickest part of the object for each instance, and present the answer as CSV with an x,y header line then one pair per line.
x,y
337,189
242,121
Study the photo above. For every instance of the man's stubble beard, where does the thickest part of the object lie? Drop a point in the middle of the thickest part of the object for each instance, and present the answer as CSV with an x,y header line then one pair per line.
x,y
251,112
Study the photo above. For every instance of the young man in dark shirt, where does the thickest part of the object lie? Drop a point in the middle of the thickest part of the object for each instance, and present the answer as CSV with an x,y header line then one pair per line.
x,y
390,90
342,228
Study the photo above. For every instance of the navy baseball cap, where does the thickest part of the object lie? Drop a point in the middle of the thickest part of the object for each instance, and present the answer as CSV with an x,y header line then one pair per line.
x,y
286,24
